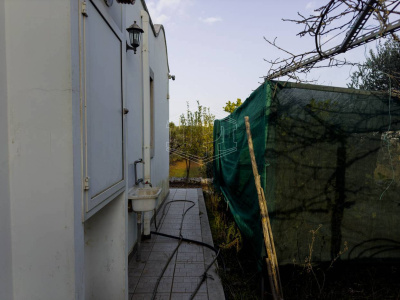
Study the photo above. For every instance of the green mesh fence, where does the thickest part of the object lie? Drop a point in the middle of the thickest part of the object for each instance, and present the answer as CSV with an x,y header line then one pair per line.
x,y
329,160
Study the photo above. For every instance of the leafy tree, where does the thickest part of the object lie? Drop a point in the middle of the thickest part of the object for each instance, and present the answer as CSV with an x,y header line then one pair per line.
x,y
174,144
381,71
192,138
231,106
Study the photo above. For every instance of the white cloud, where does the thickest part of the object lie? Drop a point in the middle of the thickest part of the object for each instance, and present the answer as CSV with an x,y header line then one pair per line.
x,y
166,4
311,6
211,20
161,11
161,19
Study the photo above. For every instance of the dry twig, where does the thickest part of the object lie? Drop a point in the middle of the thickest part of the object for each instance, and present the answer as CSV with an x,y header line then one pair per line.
x,y
331,21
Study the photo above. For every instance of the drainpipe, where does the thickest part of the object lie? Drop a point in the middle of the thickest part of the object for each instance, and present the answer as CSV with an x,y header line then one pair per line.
x,y
146,113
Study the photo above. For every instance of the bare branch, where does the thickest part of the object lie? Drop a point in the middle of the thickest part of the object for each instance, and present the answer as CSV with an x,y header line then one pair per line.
x,y
335,18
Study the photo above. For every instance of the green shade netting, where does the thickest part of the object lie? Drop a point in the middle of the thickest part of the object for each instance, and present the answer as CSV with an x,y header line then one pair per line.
x,y
329,161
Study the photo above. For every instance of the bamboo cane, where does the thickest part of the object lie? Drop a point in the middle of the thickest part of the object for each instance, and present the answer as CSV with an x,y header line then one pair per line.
x,y
272,262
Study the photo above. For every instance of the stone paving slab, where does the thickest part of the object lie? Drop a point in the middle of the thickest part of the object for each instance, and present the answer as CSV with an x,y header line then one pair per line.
x,y
147,285
187,285
186,267
190,248
167,246
190,257
155,268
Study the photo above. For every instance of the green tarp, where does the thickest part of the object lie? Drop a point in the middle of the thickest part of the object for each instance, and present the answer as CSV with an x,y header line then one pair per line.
x,y
329,160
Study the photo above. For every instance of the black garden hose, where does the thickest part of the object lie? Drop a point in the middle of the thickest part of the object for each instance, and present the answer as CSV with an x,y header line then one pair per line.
x,y
182,239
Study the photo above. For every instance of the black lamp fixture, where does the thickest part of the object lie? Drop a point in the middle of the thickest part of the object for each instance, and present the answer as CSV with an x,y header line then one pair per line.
x,y
135,33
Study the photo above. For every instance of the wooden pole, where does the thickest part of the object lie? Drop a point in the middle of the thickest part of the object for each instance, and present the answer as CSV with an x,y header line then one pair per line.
x,y
272,262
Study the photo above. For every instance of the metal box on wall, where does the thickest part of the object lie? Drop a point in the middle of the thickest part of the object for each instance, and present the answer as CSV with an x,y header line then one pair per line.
x,y
102,122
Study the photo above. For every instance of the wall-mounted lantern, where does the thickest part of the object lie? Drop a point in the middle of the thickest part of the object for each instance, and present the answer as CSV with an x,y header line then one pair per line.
x,y
135,33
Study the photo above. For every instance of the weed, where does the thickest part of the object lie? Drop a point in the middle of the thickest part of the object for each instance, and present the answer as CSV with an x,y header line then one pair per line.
x,y
307,279
308,259
240,279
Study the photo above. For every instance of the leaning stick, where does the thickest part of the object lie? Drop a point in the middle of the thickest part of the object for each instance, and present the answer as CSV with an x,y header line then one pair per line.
x,y
272,262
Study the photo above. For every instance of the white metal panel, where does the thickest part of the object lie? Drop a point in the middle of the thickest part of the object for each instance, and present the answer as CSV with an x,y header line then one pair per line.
x,y
103,99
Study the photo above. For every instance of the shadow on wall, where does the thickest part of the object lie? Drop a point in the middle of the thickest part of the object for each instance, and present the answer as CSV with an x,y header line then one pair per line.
x,y
333,165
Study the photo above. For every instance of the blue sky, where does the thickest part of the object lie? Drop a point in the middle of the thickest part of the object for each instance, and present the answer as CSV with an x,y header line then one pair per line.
x,y
216,49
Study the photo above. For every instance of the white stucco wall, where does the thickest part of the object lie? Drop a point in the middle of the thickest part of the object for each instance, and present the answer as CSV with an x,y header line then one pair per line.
x,y
40,148
105,231
6,288
48,249
134,102
79,242
106,261
159,64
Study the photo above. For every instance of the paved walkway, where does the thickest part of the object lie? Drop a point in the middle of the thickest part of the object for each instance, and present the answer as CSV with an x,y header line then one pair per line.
x,y
185,270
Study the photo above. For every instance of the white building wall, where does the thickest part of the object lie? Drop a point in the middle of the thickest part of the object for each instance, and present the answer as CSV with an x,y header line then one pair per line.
x,y
159,65
105,226
106,259
6,287
134,100
39,93
48,251
160,161
79,242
